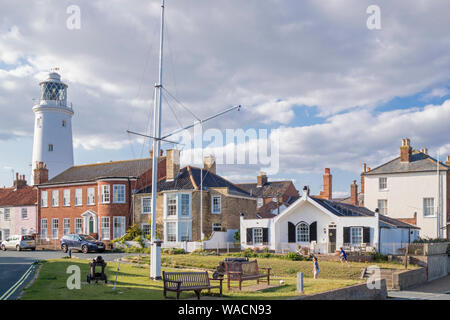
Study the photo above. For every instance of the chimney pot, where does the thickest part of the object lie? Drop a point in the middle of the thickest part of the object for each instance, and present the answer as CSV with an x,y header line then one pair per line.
x,y
40,173
354,193
261,179
209,163
405,150
327,192
172,163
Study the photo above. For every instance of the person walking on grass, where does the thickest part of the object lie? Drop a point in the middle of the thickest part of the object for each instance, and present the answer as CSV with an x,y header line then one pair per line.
x,y
315,267
343,257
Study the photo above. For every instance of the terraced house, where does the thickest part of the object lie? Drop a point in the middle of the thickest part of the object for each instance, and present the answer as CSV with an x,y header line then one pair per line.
x,y
90,199
190,201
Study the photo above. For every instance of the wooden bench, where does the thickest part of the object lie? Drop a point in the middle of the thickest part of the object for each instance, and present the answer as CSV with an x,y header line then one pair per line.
x,y
241,271
188,281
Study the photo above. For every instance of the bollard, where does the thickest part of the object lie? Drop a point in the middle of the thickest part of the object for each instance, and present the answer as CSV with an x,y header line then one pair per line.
x,y
70,253
300,282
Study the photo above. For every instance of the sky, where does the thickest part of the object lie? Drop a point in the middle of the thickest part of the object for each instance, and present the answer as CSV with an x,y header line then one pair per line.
x,y
337,93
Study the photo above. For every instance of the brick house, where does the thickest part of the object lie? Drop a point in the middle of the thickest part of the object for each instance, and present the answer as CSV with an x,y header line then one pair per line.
x,y
272,196
179,205
18,209
90,199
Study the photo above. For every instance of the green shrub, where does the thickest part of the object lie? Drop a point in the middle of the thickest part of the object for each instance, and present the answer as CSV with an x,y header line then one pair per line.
x,y
378,257
237,235
294,256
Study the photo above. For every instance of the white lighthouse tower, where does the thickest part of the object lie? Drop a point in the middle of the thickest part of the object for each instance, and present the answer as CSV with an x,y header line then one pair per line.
x,y
53,127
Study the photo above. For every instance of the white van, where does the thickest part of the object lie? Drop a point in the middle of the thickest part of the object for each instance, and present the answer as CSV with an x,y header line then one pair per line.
x,y
19,242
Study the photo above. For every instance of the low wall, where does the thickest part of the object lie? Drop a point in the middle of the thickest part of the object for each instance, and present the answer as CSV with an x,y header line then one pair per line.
x,y
437,265
408,278
355,292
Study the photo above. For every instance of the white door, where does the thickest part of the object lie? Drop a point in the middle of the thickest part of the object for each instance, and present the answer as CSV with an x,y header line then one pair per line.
x,y
119,227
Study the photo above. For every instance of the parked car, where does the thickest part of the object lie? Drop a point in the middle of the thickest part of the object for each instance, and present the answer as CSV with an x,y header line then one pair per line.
x,y
19,242
81,242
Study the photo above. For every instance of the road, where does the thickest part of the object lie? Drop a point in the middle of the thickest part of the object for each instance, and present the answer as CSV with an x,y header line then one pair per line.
x,y
16,267
434,290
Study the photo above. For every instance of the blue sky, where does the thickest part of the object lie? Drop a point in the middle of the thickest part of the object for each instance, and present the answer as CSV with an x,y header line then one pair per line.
x,y
338,93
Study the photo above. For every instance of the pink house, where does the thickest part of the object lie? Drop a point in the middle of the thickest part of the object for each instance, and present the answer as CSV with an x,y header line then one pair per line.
x,y
18,209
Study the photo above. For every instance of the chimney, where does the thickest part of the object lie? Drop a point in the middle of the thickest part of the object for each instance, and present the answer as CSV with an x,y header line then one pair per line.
x,y
306,190
209,164
354,193
448,161
327,192
261,179
172,163
424,150
161,153
20,181
362,177
40,173
405,150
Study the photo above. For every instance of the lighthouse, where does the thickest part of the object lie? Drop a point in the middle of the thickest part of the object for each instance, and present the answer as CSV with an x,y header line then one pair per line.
x,y
52,143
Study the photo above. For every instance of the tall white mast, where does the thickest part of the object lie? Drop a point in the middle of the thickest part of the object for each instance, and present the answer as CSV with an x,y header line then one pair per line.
x,y
155,263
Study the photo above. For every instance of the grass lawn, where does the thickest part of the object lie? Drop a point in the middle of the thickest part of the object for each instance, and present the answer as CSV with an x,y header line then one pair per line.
x,y
134,283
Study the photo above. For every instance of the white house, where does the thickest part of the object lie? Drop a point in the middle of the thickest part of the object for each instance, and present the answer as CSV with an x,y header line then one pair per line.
x,y
413,187
325,225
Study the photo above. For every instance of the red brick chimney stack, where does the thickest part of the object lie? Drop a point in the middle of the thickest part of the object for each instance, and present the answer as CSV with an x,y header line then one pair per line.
x,y
362,177
261,179
405,150
40,173
20,181
327,192
354,193
161,153
172,163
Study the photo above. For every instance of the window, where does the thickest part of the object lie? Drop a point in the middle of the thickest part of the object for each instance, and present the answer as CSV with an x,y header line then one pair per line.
x,y
216,205
146,230
382,207
171,231
428,207
105,193
356,235
55,198
185,204
64,123
302,232
91,196
78,197
24,213
66,226
50,147
104,224
119,193
43,228
184,229
7,233
257,235
382,183
119,227
171,204
23,231
146,205
78,225
7,214
55,228
259,202
44,199
66,198
216,227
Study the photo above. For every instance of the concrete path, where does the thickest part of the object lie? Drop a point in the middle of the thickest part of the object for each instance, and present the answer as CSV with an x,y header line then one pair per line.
x,y
434,290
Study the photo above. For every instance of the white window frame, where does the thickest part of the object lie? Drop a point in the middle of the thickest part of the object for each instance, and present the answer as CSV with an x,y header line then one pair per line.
x,y
105,196
66,226
427,207
213,207
44,234
119,190
382,184
174,206
90,196
7,214
78,225
216,227
258,234
143,200
116,220
302,232
66,198
105,228
22,211
55,199
175,231
78,197
360,234
145,233
383,209
23,231
183,205
44,199
259,202
181,229
55,235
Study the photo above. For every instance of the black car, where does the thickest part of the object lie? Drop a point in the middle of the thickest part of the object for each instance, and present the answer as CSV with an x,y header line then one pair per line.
x,y
82,242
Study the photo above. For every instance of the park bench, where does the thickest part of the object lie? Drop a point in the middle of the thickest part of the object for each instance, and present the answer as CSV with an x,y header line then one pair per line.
x,y
188,281
248,270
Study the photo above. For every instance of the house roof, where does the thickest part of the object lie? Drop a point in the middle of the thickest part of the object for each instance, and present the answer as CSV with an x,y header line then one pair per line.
x,y
265,211
24,196
343,209
189,178
268,190
419,162
113,169
388,222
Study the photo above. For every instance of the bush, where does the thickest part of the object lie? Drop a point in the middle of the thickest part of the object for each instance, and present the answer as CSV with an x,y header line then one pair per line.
x,y
430,240
294,256
237,235
173,251
378,257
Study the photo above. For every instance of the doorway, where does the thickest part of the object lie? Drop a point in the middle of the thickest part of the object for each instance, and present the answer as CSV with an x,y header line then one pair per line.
x,y
91,225
331,239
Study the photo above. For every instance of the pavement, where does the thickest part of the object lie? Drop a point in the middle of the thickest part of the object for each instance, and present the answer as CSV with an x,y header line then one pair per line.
x,y
17,268
434,290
